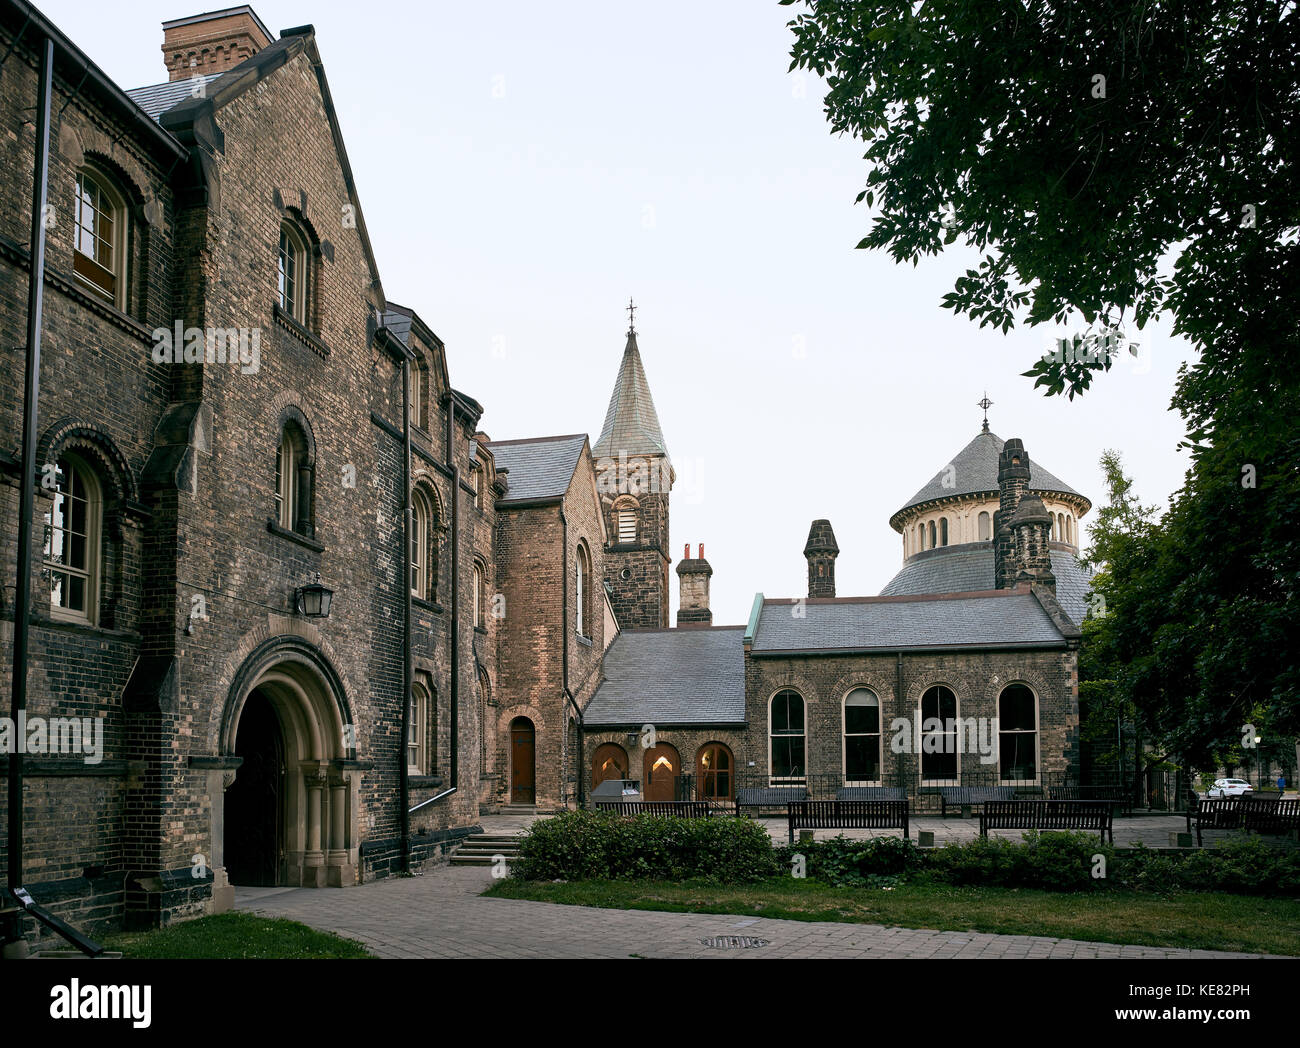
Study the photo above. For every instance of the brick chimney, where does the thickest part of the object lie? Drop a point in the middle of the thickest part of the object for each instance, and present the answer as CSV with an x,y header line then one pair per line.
x,y
1013,482
212,43
693,585
821,549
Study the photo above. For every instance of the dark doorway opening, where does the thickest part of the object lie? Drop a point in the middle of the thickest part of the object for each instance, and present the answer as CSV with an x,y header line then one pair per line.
x,y
254,809
523,767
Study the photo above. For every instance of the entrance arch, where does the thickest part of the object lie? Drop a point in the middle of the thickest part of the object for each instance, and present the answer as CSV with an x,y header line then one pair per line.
x,y
289,815
662,768
609,762
714,772
523,761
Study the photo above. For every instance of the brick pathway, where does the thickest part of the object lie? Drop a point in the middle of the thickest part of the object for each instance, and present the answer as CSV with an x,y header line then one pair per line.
x,y
442,914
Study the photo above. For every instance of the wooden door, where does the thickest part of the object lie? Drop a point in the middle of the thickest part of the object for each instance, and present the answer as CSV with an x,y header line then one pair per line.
x,y
662,768
609,762
523,769
713,773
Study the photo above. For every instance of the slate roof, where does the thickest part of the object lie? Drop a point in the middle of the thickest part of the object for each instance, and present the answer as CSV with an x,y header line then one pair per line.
x,y
631,422
975,472
666,677
156,99
960,569
398,320
1006,618
539,468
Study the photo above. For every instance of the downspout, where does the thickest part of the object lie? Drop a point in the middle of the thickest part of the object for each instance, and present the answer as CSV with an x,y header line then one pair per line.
x,y
27,506
454,662
403,771
564,642
898,691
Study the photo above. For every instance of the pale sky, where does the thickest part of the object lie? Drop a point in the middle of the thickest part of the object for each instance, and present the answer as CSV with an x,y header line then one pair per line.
x,y
524,168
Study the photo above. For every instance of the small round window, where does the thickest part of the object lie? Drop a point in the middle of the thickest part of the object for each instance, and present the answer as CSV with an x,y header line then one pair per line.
x,y
625,574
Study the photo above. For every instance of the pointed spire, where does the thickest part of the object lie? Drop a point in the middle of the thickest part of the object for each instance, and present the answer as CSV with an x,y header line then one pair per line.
x,y
631,423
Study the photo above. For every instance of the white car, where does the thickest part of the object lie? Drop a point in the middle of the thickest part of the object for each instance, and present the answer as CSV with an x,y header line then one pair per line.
x,y
1230,788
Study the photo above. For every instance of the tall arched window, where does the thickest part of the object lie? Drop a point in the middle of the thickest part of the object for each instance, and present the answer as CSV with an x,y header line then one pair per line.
x,y
861,738
1018,734
419,394
424,546
985,526
939,730
1069,530
421,729
293,482
99,237
931,536
786,738
943,531
920,537
583,617
72,542
293,271
1060,527
714,767
480,597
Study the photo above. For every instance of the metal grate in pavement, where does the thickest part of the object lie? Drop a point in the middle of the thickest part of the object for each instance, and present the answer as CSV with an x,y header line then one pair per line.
x,y
734,942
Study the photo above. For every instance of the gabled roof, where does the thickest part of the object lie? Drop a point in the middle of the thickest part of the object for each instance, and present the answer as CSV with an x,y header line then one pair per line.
x,y
988,619
969,566
539,468
667,677
631,422
400,320
975,472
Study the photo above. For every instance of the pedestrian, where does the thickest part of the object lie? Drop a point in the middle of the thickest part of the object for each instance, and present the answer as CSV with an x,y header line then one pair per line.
x,y
1281,783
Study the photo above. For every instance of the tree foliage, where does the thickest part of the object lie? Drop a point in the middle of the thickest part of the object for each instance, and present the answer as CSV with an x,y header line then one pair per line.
x,y
1116,160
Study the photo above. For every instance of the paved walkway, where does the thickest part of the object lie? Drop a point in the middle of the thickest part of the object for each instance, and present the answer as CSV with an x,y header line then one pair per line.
x,y
442,914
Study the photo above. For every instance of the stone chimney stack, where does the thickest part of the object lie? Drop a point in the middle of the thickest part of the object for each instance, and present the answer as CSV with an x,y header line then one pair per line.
x,y
693,585
212,43
1031,530
1013,482
821,550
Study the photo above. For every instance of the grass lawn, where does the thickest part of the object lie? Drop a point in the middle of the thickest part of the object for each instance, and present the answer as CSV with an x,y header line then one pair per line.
x,y
231,935
1197,920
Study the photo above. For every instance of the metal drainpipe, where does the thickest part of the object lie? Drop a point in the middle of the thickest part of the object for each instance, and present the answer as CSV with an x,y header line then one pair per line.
x,y
898,691
564,622
455,589
403,772
27,506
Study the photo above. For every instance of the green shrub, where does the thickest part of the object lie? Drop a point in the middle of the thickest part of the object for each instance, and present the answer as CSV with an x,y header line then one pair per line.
x,y
848,863
583,845
1054,861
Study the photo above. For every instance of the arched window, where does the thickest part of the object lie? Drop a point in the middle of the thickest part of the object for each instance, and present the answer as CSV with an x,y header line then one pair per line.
x,y
861,738
72,542
99,230
583,617
985,526
421,729
931,536
293,271
939,731
1060,527
419,394
484,688
786,737
1018,734
714,773
943,531
424,546
1069,530
480,597
293,482
920,537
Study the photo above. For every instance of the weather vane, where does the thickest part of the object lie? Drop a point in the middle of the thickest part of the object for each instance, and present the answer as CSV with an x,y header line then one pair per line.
x,y
631,317
985,404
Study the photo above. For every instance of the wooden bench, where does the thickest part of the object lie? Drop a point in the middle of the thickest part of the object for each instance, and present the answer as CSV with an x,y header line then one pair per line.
x,y
1048,815
682,809
871,793
967,796
1261,813
768,796
846,815
1120,797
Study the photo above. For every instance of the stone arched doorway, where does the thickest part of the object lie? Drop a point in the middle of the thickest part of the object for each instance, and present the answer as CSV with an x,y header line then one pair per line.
x,y
608,762
290,810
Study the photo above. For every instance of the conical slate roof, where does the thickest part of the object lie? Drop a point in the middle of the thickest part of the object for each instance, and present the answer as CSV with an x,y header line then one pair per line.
x,y
975,472
631,423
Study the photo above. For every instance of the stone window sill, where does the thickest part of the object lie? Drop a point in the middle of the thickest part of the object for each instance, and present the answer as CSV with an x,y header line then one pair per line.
x,y
293,536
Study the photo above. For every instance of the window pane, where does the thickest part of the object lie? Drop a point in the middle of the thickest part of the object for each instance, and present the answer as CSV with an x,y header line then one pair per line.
x,y
862,757
1016,709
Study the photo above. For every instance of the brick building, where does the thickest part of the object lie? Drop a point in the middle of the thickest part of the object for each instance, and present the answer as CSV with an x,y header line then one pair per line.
x,y
313,617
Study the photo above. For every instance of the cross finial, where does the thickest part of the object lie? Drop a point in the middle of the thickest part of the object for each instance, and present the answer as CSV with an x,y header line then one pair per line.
x,y
631,317
985,404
